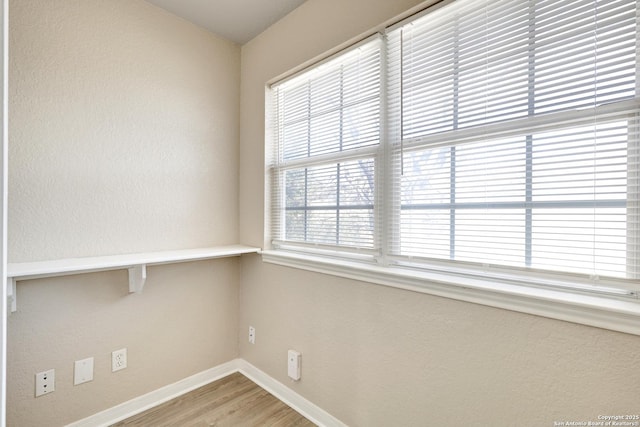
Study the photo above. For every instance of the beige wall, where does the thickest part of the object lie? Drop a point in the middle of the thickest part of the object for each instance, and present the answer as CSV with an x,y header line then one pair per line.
x,y
124,125
183,323
123,138
378,356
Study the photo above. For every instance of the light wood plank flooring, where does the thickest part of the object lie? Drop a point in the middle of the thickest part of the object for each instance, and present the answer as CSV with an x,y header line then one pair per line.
x,y
233,401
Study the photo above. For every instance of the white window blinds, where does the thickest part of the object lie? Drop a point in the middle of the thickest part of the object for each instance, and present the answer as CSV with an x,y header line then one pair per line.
x,y
499,132
328,132
516,124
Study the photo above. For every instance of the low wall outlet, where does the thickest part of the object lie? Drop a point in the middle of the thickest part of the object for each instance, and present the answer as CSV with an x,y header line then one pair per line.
x,y
252,335
293,364
83,371
45,382
118,359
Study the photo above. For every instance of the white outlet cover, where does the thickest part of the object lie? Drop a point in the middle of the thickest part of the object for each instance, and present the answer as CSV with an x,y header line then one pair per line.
x,y
83,371
45,382
293,364
118,359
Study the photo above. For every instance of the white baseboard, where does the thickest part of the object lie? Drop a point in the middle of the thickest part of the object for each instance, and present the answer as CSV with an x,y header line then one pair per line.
x,y
301,405
139,404
156,397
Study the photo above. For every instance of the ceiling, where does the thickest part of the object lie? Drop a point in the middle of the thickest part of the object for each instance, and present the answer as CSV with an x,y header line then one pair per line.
x,y
235,20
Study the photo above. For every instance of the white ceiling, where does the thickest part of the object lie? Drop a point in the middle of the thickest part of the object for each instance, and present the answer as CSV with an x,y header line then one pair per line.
x,y
236,20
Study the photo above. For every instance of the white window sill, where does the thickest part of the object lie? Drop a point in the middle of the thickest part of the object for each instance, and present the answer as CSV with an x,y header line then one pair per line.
x,y
599,311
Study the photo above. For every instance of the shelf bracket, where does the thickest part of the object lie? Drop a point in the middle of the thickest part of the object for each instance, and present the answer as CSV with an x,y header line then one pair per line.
x,y
12,304
137,277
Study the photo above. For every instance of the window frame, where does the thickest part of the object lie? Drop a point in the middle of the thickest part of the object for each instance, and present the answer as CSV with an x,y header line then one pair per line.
x,y
564,296
279,164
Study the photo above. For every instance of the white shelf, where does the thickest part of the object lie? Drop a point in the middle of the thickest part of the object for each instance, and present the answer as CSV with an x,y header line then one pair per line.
x,y
135,263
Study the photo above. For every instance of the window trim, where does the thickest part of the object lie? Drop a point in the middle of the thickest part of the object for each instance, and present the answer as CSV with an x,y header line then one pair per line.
x,y
622,315
522,292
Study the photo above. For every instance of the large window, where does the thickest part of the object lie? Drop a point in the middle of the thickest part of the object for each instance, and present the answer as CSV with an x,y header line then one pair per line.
x,y
479,134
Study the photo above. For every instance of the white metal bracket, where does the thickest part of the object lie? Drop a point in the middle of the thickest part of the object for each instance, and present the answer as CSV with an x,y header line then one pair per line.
x,y
12,304
137,277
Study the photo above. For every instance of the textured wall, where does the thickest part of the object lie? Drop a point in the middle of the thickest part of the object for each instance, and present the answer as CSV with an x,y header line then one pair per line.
x,y
123,131
124,138
377,356
183,323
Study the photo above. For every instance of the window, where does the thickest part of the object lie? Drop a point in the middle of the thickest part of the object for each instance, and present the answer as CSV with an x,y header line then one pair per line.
x,y
478,137
328,133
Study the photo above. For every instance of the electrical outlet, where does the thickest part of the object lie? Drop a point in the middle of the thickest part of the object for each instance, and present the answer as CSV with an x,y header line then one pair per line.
x,y
45,382
293,364
252,335
118,360
83,371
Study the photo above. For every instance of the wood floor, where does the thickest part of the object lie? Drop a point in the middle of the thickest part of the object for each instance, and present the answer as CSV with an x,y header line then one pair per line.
x,y
233,401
